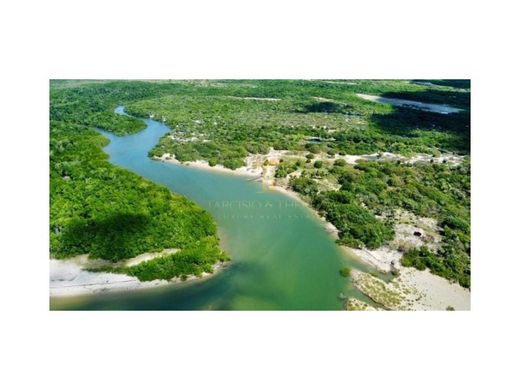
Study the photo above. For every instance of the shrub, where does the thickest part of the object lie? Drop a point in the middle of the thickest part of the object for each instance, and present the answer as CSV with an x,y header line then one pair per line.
x,y
345,272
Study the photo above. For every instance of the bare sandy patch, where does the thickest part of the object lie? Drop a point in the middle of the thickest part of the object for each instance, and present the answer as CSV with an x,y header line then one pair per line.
x,y
70,277
84,260
413,290
352,159
268,99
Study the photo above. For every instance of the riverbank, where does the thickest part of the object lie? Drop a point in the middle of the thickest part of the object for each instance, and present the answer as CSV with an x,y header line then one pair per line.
x,y
252,168
418,290
70,277
411,289
263,166
263,174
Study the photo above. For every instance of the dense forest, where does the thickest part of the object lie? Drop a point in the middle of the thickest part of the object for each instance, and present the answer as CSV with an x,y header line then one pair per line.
x,y
106,211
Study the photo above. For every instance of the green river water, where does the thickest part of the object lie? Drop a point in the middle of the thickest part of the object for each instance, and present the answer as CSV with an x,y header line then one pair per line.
x,y
282,257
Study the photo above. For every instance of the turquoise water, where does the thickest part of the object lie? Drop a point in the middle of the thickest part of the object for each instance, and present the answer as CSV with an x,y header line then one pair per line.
x,y
282,258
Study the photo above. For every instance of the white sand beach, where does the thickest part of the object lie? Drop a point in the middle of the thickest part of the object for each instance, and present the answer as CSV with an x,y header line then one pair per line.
x,y
69,277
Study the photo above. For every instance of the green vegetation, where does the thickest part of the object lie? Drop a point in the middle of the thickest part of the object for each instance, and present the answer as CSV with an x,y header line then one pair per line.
x,y
194,259
106,211
286,167
372,189
353,304
357,225
345,272
93,104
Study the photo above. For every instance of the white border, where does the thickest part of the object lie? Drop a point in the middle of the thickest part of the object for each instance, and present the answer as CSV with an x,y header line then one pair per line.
x,y
260,39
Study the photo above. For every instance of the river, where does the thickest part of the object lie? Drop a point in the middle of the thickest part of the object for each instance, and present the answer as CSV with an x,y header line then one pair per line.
x,y
282,257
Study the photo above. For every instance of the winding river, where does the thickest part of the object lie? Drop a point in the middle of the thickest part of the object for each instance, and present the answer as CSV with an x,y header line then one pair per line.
x,y
282,257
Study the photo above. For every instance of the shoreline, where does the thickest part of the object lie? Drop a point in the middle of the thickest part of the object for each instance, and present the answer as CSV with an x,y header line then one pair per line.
x,y
203,164
420,290
259,175
68,278
328,226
